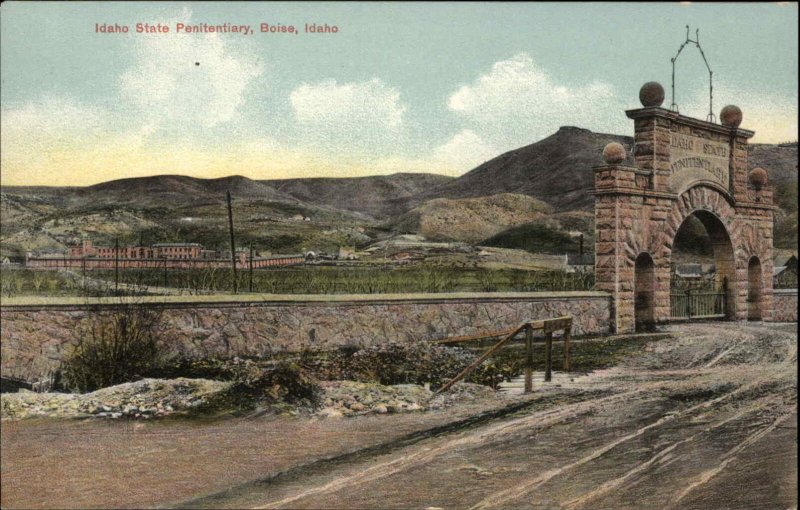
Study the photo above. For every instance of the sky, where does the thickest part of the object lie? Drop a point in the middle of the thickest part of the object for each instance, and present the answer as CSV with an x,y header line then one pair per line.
x,y
399,87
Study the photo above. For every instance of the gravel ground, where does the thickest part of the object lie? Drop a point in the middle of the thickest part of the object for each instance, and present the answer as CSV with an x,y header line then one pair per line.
x,y
686,423
107,463
158,398
704,420
143,399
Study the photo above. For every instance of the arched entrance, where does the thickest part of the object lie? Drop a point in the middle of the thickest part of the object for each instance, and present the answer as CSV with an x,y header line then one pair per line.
x,y
754,284
699,289
644,284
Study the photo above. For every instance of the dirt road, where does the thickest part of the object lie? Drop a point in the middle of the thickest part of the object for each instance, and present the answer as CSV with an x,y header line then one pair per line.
x,y
706,420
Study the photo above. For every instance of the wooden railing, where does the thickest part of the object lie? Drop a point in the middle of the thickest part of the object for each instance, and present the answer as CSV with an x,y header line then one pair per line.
x,y
549,326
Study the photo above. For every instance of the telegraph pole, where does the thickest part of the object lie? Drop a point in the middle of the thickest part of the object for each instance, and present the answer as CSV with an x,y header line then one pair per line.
x,y
233,244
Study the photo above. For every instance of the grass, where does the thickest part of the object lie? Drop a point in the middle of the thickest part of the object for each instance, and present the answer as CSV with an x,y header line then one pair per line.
x,y
378,280
26,282
302,280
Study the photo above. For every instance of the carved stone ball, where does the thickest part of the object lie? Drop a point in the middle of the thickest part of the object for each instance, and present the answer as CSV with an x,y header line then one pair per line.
x,y
651,94
614,153
731,116
758,178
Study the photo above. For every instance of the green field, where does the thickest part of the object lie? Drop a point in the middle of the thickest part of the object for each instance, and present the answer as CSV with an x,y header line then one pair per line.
x,y
26,282
333,280
299,280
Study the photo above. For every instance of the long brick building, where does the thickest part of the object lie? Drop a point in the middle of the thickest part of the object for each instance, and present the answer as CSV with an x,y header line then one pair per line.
x,y
169,255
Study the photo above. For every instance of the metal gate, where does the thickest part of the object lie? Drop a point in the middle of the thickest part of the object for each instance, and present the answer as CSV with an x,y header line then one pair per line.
x,y
695,304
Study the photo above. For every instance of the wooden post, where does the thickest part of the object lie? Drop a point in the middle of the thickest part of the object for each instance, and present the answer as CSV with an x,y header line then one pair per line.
x,y
567,347
528,360
548,357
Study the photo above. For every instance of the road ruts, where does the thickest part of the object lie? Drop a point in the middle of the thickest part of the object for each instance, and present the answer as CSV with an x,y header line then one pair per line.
x,y
687,420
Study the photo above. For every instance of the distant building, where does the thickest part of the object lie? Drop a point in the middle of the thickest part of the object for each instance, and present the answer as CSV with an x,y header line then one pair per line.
x,y
161,255
784,271
177,250
689,270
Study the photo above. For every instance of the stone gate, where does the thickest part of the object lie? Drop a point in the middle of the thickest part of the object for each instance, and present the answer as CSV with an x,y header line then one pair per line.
x,y
681,167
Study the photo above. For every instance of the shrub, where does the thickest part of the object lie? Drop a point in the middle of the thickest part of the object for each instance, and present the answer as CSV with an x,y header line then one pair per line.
x,y
113,347
255,382
390,363
281,383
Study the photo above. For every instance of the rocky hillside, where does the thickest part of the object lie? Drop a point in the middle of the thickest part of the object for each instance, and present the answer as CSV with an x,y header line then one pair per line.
x,y
780,161
471,219
556,170
380,196
555,173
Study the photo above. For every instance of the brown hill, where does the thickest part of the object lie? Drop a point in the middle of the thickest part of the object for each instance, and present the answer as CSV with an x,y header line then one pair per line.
x,y
176,190
780,161
379,196
471,219
557,170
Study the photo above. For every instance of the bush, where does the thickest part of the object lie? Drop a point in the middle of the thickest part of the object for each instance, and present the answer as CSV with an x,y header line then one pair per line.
x,y
113,347
255,382
392,363
281,383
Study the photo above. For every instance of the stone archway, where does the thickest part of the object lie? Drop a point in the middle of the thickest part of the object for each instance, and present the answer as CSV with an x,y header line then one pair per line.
x,y
681,167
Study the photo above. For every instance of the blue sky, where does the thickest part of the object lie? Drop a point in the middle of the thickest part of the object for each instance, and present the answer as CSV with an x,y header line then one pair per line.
x,y
400,87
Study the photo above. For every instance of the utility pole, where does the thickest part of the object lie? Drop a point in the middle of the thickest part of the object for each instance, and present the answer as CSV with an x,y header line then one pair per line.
x,y
116,266
233,243
251,268
581,250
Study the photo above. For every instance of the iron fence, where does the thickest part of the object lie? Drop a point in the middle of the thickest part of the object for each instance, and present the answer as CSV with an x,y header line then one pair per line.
x,y
697,305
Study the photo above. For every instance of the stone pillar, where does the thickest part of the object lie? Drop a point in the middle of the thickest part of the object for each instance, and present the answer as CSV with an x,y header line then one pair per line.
x,y
756,212
613,270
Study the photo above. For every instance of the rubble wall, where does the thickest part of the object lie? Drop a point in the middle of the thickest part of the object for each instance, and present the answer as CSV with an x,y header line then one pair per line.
x,y
35,334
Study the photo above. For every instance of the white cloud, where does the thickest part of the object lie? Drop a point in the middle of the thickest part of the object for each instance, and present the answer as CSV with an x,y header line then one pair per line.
x,y
51,116
517,103
463,152
361,115
166,86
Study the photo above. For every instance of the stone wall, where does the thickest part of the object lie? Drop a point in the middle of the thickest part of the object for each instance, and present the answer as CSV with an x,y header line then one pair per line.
x,y
34,336
784,303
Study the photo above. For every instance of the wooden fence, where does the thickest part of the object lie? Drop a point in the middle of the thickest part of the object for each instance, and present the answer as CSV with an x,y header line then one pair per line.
x,y
549,326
